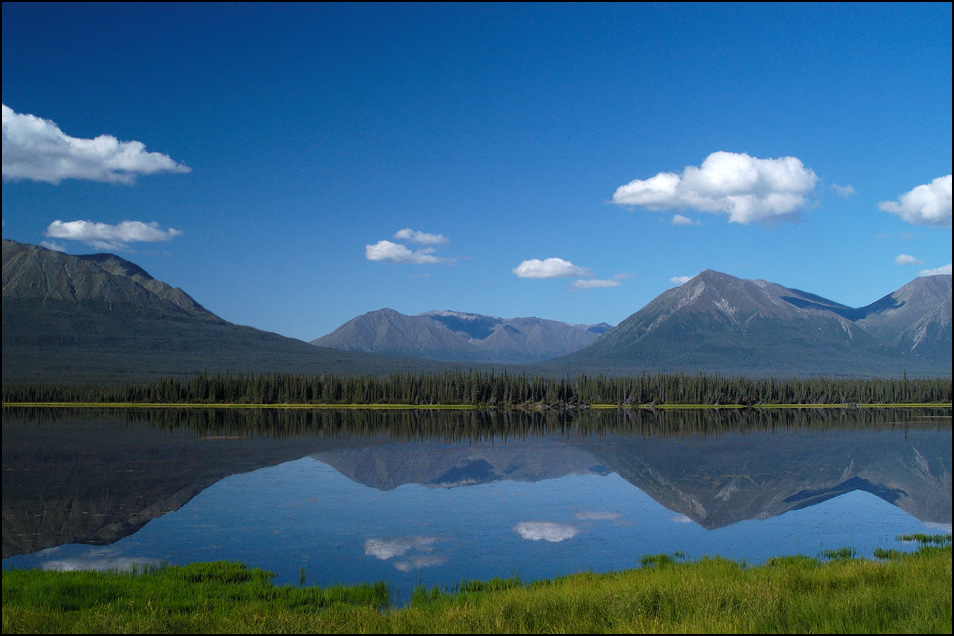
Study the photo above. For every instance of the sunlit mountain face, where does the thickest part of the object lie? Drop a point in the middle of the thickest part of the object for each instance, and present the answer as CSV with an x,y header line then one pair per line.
x,y
719,323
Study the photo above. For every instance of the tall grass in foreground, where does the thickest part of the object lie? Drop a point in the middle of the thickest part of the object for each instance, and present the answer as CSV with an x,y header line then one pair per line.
x,y
899,592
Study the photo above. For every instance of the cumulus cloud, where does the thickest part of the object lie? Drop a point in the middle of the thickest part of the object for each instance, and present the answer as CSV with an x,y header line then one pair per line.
x,y
680,519
946,269
50,245
422,238
110,237
398,253
680,280
843,191
678,219
36,149
550,531
744,188
928,204
593,283
391,252
906,259
549,268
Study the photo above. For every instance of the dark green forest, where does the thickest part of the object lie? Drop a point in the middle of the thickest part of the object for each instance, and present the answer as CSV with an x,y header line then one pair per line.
x,y
499,390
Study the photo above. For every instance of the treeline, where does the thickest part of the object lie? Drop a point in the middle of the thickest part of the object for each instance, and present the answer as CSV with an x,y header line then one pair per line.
x,y
495,390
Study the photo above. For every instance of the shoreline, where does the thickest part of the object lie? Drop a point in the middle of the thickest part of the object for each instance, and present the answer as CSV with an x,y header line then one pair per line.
x,y
469,407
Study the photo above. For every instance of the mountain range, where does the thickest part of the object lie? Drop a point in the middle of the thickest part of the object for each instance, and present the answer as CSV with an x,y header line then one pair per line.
x,y
101,318
719,323
458,336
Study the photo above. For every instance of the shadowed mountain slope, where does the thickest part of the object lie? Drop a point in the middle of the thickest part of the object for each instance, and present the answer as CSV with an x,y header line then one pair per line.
x,y
100,318
36,274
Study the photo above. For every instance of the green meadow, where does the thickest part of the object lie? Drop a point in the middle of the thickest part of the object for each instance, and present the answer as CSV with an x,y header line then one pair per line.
x,y
891,592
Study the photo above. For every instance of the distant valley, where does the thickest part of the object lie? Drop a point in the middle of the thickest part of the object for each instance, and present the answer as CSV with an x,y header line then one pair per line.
x,y
100,318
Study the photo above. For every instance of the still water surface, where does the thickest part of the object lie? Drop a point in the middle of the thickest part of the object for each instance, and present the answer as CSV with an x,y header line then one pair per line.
x,y
436,498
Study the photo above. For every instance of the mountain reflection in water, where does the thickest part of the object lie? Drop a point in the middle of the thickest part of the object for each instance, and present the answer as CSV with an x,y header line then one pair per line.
x,y
82,476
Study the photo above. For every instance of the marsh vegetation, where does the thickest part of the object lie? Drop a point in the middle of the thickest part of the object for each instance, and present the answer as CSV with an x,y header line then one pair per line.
x,y
830,593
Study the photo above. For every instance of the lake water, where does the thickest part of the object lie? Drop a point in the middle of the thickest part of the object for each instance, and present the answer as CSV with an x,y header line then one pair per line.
x,y
436,498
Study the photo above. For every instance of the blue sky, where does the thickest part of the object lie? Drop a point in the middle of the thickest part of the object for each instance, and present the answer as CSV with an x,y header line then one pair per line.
x,y
294,166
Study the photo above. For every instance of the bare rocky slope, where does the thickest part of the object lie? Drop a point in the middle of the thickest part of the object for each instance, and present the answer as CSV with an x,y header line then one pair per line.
x,y
719,323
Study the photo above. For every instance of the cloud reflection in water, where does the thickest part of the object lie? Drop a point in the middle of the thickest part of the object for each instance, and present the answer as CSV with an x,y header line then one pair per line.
x,y
102,559
551,531
385,549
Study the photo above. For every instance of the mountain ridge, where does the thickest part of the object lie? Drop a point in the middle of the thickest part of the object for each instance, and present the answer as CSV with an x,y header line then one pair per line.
x,y
460,336
717,323
33,272
101,318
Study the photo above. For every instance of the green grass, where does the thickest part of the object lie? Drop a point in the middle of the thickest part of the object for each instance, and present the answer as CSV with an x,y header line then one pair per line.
x,y
837,592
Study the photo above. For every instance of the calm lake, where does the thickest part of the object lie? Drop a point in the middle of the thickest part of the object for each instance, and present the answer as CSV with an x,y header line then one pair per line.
x,y
439,497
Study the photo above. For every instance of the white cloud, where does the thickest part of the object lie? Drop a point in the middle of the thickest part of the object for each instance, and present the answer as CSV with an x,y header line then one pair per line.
x,y
546,530
50,245
110,237
906,259
398,253
928,204
680,519
946,269
843,191
744,188
36,149
680,280
392,252
593,283
423,238
549,268
678,219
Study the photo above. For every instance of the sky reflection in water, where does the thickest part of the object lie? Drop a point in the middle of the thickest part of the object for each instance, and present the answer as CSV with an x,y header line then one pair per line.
x,y
305,514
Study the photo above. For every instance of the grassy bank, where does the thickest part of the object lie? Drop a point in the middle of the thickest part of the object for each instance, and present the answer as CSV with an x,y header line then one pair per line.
x,y
895,592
